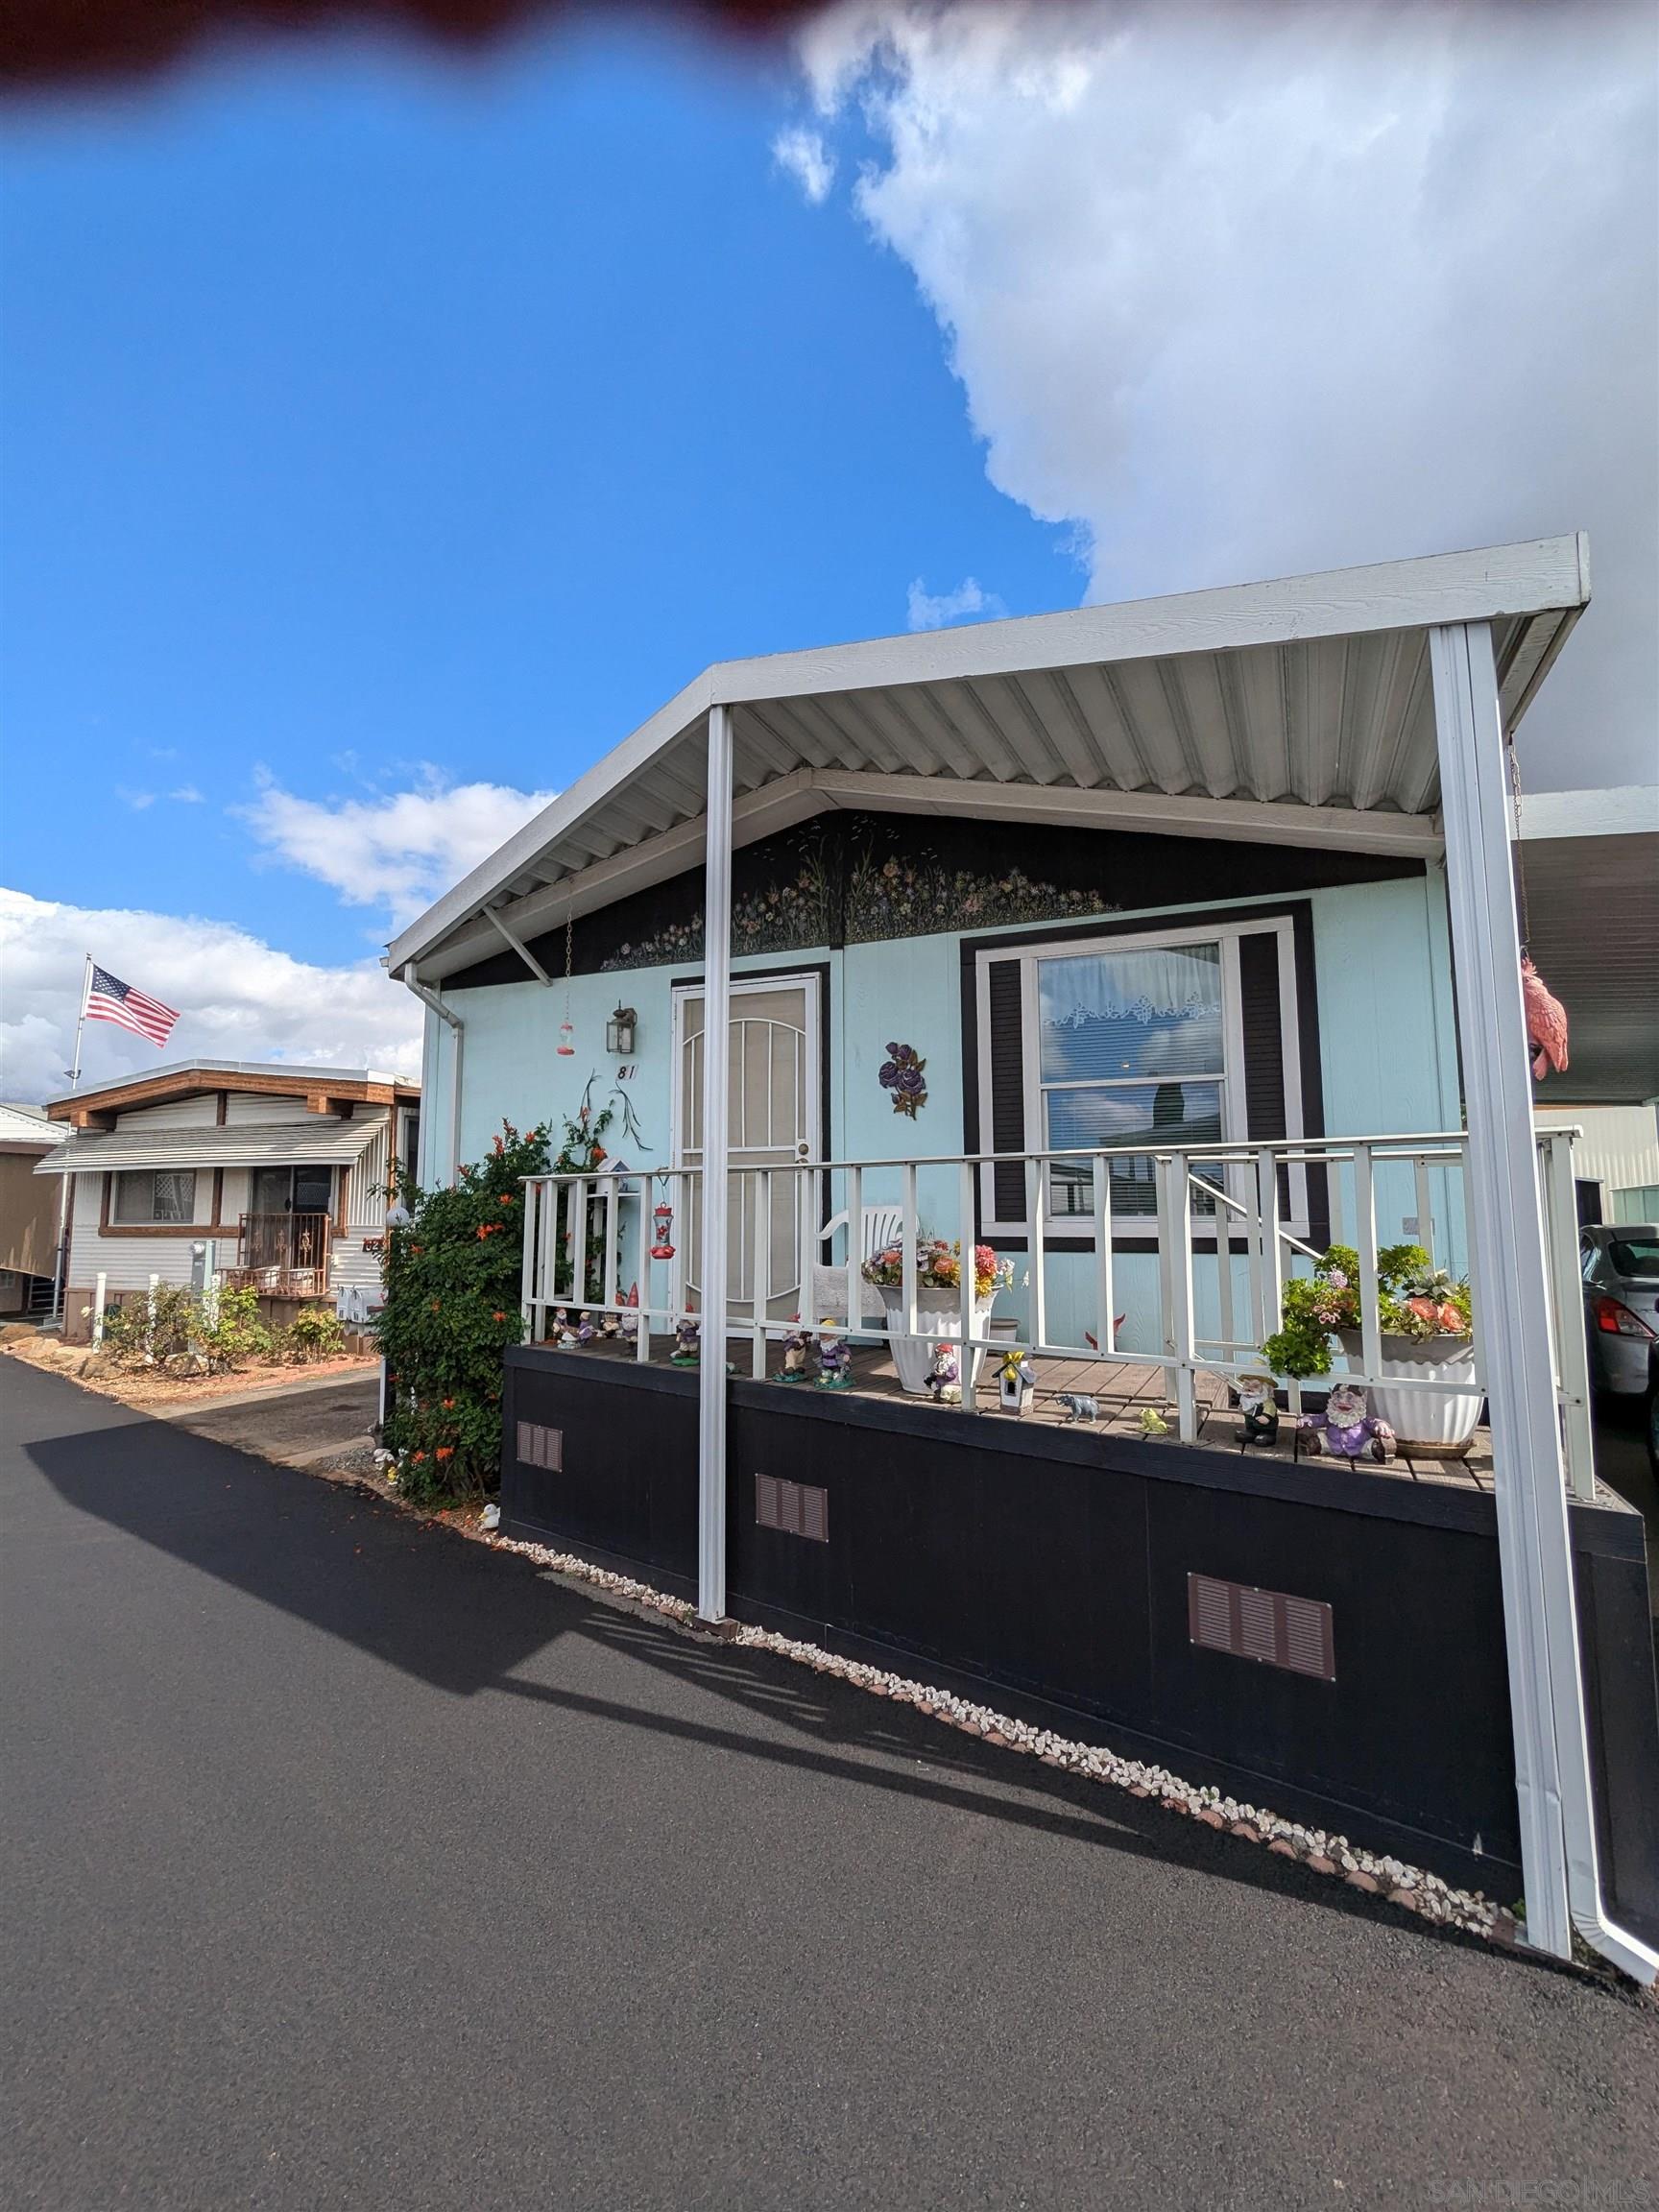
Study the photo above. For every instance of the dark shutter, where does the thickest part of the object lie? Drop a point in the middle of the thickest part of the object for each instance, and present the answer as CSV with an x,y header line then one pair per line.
x,y
1004,1011
1264,1035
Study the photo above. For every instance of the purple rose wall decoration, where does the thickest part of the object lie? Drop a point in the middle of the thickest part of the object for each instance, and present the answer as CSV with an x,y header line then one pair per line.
x,y
902,1073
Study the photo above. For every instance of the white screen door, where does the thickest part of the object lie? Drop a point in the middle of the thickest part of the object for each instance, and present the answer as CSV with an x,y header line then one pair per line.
x,y
774,1099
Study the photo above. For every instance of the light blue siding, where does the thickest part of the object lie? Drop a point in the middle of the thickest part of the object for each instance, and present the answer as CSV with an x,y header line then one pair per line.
x,y
1387,1056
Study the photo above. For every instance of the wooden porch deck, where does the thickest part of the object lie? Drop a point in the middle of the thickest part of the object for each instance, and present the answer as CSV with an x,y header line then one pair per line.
x,y
1124,1388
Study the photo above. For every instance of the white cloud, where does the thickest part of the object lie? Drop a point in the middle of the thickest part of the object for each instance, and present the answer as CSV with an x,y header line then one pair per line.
x,y
397,851
932,610
136,800
187,794
1242,293
804,155
238,999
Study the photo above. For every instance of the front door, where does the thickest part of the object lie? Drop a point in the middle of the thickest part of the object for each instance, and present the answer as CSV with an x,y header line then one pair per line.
x,y
773,1071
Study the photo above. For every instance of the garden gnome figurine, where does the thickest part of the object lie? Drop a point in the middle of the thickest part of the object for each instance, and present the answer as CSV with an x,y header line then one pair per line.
x,y
944,1382
586,1330
688,1344
563,1333
1260,1407
1346,1430
834,1361
794,1367
1017,1382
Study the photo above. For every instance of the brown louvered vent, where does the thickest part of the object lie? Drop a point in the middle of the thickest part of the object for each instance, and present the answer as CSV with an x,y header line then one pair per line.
x,y
1265,1625
541,1447
796,1509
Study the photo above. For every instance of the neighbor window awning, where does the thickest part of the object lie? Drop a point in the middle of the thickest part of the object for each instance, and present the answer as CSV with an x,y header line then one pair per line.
x,y
269,1145
1299,712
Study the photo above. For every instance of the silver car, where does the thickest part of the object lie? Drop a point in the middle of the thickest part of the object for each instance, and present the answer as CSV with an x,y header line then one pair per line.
x,y
1620,1268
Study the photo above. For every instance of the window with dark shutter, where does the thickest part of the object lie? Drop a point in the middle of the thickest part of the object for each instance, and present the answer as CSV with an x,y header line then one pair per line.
x,y
1005,1007
1184,1038
1263,1034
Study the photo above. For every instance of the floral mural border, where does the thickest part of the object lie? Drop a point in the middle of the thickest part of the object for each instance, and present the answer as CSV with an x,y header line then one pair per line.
x,y
865,896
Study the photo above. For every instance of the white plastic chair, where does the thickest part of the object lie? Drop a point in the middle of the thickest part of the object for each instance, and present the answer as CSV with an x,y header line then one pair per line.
x,y
882,1226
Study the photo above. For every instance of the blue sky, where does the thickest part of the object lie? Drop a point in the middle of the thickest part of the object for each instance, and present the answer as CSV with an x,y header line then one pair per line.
x,y
363,412
384,435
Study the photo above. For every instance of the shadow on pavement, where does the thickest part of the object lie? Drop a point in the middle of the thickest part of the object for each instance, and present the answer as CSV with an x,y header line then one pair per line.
x,y
466,1619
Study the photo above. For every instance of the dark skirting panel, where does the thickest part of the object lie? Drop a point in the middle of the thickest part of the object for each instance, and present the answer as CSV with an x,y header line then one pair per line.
x,y
623,1492
1051,1573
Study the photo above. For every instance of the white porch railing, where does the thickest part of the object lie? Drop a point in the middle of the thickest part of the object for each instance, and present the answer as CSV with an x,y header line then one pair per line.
x,y
1229,1225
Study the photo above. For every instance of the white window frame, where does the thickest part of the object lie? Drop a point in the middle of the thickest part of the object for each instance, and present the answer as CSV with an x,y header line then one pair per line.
x,y
1234,1107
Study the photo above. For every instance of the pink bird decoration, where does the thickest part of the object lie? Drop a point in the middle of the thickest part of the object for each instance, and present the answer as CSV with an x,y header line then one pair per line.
x,y
1546,1021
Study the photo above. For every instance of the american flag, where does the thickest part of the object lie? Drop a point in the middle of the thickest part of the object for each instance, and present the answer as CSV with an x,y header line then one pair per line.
x,y
109,999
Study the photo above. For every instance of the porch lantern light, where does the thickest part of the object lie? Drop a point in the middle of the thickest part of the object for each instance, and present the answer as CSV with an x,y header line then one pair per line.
x,y
619,1032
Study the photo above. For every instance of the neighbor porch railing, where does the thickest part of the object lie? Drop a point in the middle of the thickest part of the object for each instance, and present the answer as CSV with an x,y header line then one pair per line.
x,y
286,1255
1228,1226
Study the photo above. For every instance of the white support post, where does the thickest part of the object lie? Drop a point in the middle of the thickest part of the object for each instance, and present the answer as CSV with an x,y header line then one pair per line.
x,y
527,1270
100,1297
967,1359
1572,1352
1036,1174
1505,1225
1101,1179
854,1249
760,1274
716,1171
1366,1240
910,1232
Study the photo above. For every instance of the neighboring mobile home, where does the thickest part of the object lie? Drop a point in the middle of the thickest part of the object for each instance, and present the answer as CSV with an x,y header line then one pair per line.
x,y
28,1211
261,1175
1152,946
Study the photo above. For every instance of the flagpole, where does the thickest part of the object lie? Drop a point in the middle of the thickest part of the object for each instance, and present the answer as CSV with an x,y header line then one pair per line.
x,y
61,1264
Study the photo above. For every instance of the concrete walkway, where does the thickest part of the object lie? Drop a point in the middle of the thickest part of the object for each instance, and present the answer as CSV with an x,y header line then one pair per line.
x,y
351,1866
302,1423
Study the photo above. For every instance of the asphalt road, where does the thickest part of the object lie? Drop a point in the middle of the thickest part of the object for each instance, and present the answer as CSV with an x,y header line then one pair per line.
x,y
350,1864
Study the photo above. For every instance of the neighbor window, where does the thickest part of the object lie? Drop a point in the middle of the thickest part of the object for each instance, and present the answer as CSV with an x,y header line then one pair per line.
x,y
159,1194
1167,1043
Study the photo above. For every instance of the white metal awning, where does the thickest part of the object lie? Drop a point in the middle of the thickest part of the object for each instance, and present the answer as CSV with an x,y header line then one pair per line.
x,y
1294,712
260,1145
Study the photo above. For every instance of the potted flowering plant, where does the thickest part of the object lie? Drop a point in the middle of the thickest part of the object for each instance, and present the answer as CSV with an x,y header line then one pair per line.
x,y
938,1303
1426,1336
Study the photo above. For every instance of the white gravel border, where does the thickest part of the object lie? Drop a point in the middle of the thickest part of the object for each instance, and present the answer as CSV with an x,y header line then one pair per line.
x,y
1411,1887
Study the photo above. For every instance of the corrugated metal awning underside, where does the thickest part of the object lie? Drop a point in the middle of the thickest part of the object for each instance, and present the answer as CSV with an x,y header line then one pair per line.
x,y
269,1144
1283,712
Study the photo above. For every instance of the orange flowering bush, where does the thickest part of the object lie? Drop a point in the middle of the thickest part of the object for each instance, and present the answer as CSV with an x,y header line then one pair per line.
x,y
452,1278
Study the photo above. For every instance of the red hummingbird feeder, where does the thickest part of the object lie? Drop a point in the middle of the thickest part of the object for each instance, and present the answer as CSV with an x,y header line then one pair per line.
x,y
662,1219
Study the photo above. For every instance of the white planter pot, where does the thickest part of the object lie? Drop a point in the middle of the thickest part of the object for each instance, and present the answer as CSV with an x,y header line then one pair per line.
x,y
938,1314
1430,1424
